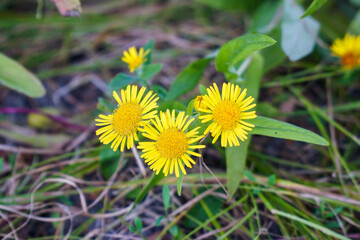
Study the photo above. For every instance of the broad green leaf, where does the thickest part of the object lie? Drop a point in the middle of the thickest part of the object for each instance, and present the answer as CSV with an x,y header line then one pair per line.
x,y
166,196
188,78
104,105
179,183
354,27
190,107
202,89
149,45
108,161
150,70
266,17
174,230
236,156
158,221
171,105
249,175
297,35
274,128
16,77
239,48
314,6
120,81
355,2
150,184
272,180
198,212
132,229
138,224
235,164
273,56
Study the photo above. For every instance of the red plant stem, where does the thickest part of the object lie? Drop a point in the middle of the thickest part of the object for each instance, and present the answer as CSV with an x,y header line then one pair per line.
x,y
64,122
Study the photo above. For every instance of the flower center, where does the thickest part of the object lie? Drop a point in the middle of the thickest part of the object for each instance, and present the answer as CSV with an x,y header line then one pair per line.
x,y
172,143
227,114
349,60
127,118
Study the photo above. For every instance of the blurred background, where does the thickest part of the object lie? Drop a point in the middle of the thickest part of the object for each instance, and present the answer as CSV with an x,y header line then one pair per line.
x,y
77,57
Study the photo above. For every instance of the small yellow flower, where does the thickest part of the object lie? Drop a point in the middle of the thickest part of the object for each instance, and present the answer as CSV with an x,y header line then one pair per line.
x,y
348,49
133,112
132,58
227,113
199,103
171,145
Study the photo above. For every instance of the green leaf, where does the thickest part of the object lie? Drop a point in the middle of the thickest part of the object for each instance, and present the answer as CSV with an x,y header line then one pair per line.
x,y
150,184
202,89
150,70
188,78
149,45
297,35
138,224
132,229
16,77
274,128
235,164
354,27
108,161
315,5
121,80
236,156
198,211
179,183
174,230
253,75
266,17
104,105
158,221
240,48
249,175
274,55
166,196
171,105
272,180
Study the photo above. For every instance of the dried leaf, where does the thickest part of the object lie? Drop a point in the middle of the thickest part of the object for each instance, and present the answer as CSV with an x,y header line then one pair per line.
x,y
68,8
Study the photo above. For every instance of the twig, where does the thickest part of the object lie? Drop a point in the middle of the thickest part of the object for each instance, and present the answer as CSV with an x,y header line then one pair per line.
x,y
41,151
138,161
13,232
64,122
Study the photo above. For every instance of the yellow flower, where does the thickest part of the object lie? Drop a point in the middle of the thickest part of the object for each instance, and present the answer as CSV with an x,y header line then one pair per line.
x,y
199,103
171,145
348,49
132,58
133,112
227,114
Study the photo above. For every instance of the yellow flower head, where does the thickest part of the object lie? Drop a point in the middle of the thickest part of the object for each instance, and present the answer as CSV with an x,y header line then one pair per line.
x,y
199,103
227,113
132,58
133,112
171,145
348,49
